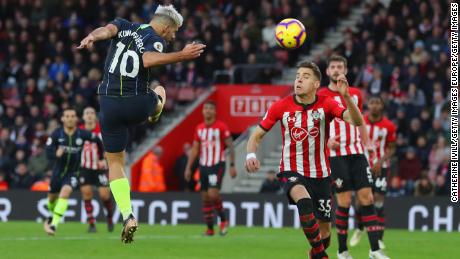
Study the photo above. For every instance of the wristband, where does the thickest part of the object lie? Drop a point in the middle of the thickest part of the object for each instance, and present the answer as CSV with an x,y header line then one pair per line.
x,y
250,155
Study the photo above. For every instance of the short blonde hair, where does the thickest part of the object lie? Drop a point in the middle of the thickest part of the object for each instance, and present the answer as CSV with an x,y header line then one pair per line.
x,y
170,12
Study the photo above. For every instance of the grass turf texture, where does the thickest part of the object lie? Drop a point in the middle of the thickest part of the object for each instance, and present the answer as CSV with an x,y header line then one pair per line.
x,y
20,240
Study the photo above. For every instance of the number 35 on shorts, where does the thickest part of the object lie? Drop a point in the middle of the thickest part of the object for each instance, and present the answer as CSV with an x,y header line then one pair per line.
x,y
324,206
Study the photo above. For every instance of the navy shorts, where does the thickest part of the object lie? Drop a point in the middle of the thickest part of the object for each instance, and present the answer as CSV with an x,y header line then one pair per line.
x,y
118,114
96,178
211,176
350,173
319,190
57,181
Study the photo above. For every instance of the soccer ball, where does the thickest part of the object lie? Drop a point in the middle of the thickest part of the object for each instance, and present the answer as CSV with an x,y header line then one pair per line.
x,y
290,33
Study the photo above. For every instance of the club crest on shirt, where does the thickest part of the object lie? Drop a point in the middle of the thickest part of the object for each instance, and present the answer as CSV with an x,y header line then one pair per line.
x,y
292,179
338,182
316,115
79,141
298,134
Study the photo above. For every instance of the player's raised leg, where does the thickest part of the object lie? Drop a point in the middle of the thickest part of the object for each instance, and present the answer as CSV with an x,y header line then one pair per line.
x,y
161,94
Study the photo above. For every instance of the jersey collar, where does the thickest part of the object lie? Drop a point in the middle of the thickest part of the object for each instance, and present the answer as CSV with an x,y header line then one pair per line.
x,y
305,106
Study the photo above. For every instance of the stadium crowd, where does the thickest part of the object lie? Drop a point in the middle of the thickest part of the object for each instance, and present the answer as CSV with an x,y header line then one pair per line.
x,y
400,52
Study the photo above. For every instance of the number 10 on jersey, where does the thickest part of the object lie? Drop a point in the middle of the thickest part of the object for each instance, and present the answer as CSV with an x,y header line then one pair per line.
x,y
124,59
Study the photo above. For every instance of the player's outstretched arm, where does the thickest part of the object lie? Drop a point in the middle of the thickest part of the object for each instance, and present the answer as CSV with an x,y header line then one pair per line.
x,y
352,115
190,51
252,163
101,33
191,159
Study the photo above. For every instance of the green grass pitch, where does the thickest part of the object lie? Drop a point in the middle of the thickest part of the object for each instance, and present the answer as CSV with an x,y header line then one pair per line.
x,y
21,240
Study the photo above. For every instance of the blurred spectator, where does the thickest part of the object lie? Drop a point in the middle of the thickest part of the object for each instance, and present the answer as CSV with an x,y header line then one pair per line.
x,y
410,169
423,150
437,155
396,189
270,184
442,186
179,169
21,179
424,187
37,162
152,173
3,182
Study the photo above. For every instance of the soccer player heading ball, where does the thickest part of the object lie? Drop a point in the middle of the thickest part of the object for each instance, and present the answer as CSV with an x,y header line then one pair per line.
x,y
125,97
304,168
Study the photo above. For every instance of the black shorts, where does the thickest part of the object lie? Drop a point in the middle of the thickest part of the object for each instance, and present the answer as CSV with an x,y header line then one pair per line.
x,y
211,176
318,188
380,182
350,173
96,178
118,114
57,181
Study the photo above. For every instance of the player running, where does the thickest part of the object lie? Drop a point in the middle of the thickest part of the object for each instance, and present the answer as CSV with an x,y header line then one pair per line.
x,y
125,97
304,167
349,166
63,149
94,172
382,133
210,140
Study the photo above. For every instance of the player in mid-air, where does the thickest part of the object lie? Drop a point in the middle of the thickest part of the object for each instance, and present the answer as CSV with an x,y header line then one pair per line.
x,y
304,167
125,97
382,133
63,149
93,172
349,166
210,140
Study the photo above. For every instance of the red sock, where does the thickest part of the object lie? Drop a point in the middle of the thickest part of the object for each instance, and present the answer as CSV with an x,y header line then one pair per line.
x,y
89,212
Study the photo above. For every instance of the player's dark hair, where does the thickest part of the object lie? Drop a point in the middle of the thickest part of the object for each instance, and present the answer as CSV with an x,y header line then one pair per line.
x,y
375,96
68,109
337,58
210,102
312,66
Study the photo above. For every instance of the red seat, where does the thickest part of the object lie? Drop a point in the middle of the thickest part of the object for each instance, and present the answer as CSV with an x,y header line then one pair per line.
x,y
186,94
282,56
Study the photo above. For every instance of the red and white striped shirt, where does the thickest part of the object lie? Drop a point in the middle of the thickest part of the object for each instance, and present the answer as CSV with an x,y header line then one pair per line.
x,y
90,154
381,133
212,142
350,140
304,133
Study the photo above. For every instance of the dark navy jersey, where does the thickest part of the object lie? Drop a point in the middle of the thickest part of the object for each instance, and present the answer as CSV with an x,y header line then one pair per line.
x,y
124,72
69,162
